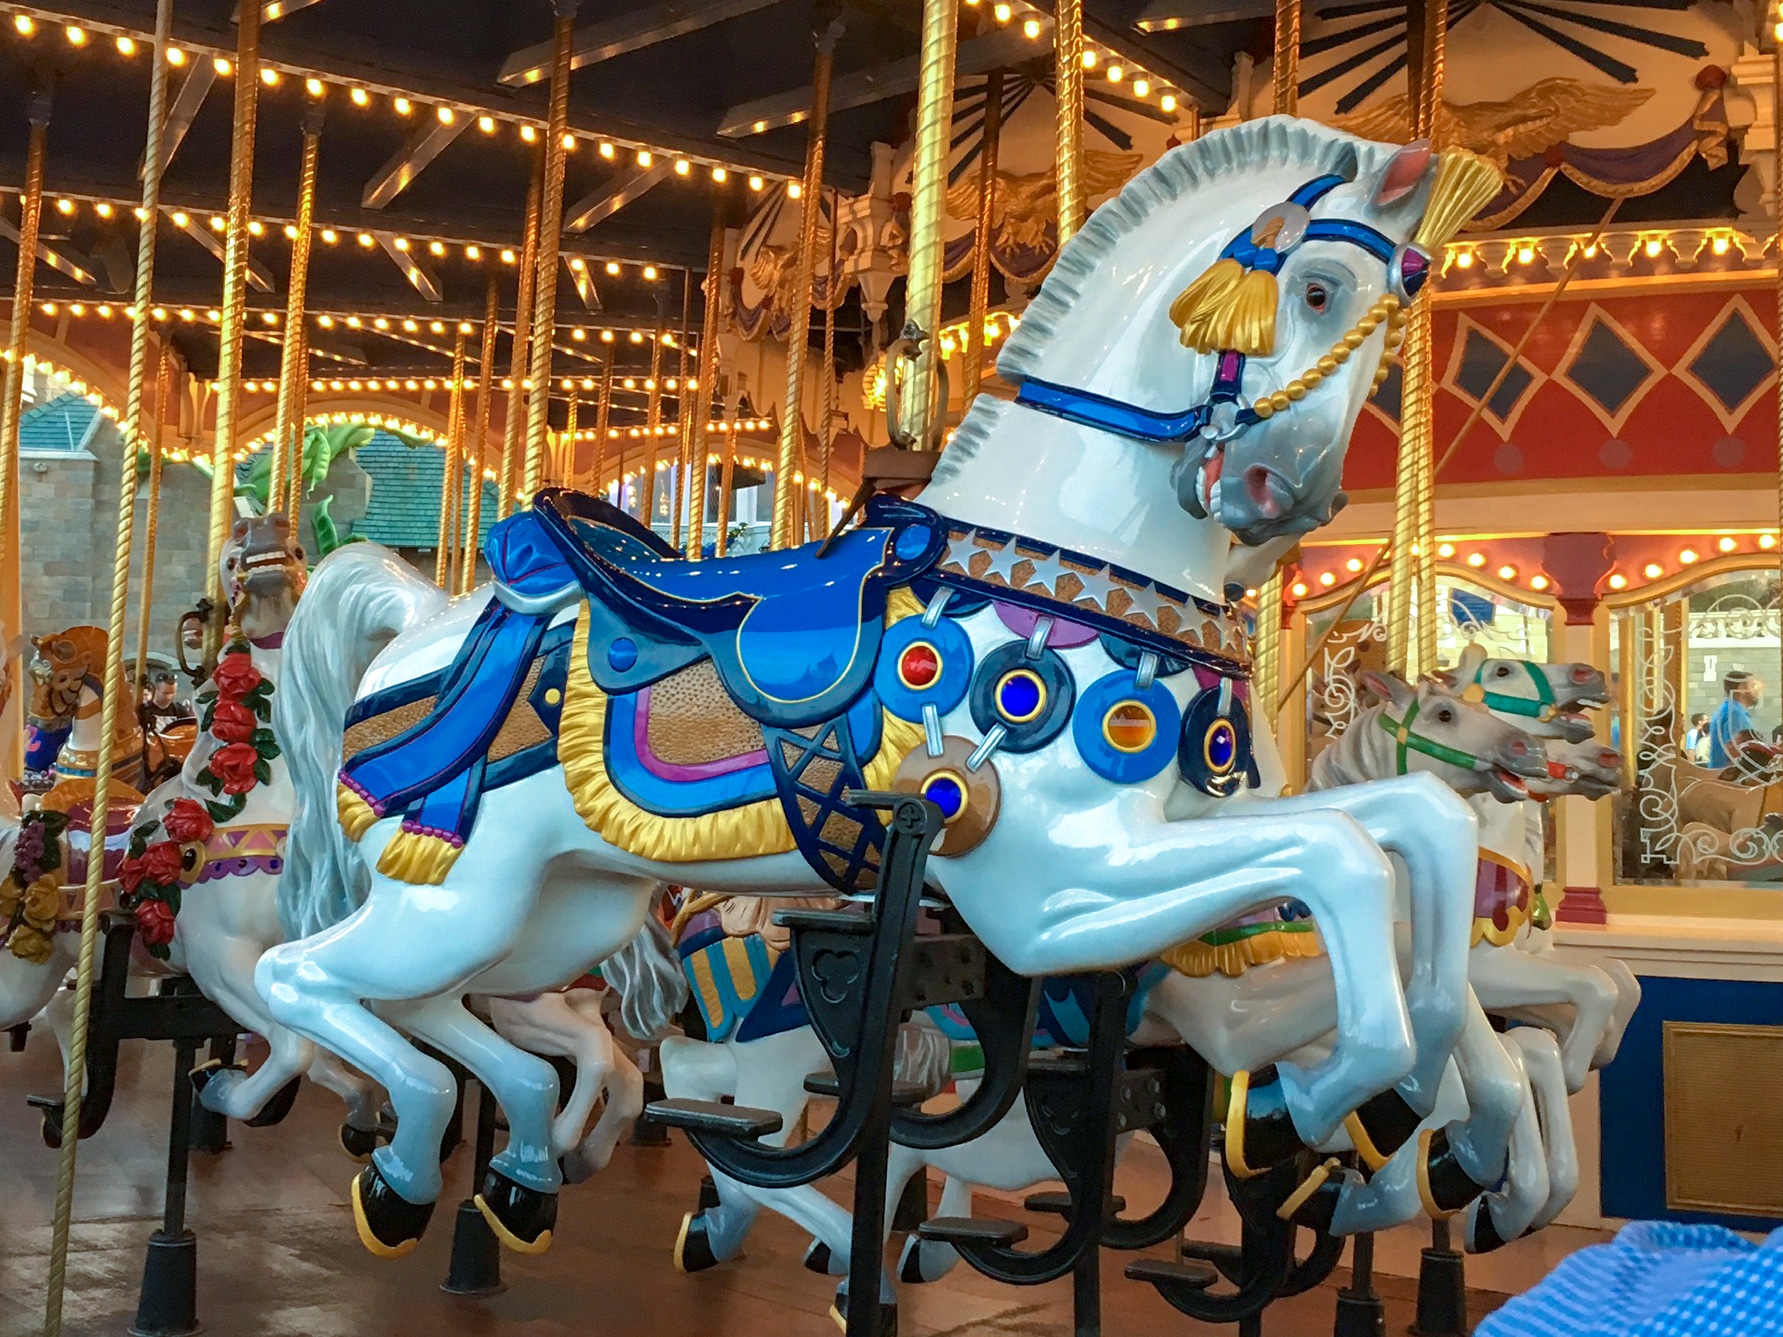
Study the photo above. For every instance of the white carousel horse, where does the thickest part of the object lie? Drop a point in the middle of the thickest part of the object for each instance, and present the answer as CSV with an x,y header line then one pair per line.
x,y
65,714
1464,747
523,768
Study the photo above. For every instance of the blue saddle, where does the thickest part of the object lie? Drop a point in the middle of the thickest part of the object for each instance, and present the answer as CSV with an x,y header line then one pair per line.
x,y
793,635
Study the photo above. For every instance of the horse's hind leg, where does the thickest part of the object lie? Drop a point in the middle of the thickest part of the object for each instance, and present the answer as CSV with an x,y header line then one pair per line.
x,y
623,1086
1505,1213
518,1196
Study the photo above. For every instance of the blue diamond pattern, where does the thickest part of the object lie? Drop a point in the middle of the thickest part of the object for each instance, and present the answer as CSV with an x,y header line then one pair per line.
x,y
1607,369
1480,361
1734,361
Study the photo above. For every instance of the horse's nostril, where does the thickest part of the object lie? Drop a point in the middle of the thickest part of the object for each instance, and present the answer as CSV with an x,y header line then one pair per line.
x,y
1265,490
1583,673
1517,747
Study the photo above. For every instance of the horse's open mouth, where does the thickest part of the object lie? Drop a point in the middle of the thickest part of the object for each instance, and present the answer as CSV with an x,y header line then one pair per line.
x,y
1506,785
1204,502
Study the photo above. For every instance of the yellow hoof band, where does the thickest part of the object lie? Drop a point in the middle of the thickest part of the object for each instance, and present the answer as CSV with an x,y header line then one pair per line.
x,y
681,1242
838,1319
1312,1184
1425,1196
1235,1103
378,1248
356,816
508,1238
1364,1144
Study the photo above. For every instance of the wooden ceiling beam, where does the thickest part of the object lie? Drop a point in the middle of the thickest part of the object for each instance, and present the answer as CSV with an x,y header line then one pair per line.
x,y
1170,15
180,115
402,254
68,262
425,143
627,186
258,274
629,32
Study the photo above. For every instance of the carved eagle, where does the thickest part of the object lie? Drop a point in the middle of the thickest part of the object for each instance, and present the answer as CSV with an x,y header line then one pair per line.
x,y
1548,112
1023,204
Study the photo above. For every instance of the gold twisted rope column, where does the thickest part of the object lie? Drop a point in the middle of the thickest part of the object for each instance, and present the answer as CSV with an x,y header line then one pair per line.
x,y
1067,42
229,337
683,414
1777,208
294,458
973,362
1436,33
11,408
727,485
293,371
826,431
566,457
118,698
473,526
1267,668
919,417
652,420
513,429
544,296
792,417
603,410
152,514
707,379
445,570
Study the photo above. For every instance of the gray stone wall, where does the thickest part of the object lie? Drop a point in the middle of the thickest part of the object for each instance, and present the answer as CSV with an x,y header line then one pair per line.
x,y
68,522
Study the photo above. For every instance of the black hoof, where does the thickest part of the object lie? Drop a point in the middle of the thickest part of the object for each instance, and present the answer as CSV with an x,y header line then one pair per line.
x,y
389,1224
1443,1184
1260,1133
693,1247
1481,1235
359,1143
817,1258
522,1218
910,1263
52,1127
275,1110
708,1193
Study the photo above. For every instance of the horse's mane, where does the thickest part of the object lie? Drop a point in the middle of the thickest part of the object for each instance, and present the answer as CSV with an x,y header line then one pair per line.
x,y
1272,141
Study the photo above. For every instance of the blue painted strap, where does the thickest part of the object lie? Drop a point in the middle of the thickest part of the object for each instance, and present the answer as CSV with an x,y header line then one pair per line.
x,y
1111,415
1357,234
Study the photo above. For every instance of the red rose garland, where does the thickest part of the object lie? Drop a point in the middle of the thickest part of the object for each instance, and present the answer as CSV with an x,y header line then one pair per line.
x,y
239,717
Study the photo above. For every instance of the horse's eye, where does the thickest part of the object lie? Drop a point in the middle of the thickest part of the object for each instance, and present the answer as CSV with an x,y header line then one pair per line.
x,y
1503,671
1318,297
1445,716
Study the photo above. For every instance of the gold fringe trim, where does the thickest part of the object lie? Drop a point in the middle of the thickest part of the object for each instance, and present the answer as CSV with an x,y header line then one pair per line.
x,y
1228,307
1465,184
746,831
356,815
420,860
1200,959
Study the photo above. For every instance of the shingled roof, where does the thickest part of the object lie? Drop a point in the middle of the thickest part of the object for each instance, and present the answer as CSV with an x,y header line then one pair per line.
x,y
60,425
407,483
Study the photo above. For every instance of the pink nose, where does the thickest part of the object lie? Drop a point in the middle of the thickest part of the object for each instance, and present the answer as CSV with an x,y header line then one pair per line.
x,y
1262,488
1517,748
1609,759
1583,673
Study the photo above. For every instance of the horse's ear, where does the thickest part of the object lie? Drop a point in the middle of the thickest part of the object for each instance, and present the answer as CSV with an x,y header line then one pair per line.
x,y
1403,173
1387,687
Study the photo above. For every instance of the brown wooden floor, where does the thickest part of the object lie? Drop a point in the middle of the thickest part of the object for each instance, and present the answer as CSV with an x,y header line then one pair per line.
x,y
278,1256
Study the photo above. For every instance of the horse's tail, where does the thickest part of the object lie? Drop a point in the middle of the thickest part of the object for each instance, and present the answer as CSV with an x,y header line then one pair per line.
x,y
647,973
924,1056
357,601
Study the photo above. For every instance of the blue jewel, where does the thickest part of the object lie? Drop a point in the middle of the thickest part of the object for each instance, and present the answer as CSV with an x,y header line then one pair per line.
x,y
1222,746
911,543
946,793
1019,696
622,654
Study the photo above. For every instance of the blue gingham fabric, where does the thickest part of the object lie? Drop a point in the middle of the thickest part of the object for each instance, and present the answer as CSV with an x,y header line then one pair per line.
x,y
1655,1279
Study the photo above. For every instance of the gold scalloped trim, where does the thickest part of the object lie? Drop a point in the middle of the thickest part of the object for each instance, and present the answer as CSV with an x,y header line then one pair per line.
x,y
746,831
1200,959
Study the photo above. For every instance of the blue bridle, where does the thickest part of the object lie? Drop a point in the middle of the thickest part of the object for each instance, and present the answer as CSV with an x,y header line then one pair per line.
x,y
1406,266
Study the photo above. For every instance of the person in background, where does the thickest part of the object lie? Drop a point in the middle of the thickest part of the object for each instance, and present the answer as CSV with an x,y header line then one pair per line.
x,y
1732,728
1696,739
162,705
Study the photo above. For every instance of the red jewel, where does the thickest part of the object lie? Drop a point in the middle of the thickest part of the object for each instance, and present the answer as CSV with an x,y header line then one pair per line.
x,y
919,665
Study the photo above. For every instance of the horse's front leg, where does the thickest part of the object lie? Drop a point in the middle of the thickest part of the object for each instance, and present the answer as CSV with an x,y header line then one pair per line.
x,y
1507,978
1435,834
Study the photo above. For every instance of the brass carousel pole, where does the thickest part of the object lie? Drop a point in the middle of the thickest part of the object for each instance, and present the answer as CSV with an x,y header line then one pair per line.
x,y
517,362
118,699
473,526
652,420
293,365
1268,648
11,408
792,423
152,514
1067,40
235,274
451,477
919,419
300,395
1777,208
544,296
1421,349
973,363
708,378
683,425
727,480
603,411
566,460
826,432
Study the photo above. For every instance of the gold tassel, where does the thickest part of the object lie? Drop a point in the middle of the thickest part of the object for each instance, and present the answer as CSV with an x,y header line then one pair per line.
x,y
1465,182
356,815
1228,307
419,860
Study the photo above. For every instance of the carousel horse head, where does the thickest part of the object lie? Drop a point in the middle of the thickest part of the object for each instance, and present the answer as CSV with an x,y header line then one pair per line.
x,y
263,573
1467,747
1546,699
1282,256
1589,768
63,665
